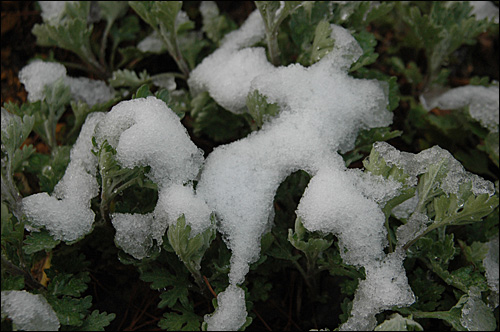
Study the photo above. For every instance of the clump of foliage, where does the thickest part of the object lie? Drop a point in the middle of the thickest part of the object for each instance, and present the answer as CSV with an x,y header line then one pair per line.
x,y
300,280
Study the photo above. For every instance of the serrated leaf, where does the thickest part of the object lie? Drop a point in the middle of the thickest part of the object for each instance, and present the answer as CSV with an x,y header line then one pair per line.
x,y
73,35
215,26
15,130
312,247
429,184
427,291
12,230
396,322
177,292
259,108
184,320
452,211
174,286
189,249
96,321
128,78
439,252
322,43
215,122
365,140
38,241
367,42
70,311
475,253
469,277
125,30
67,284
376,165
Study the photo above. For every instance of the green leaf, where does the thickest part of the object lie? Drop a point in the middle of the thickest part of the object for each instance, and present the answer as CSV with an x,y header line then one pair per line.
x,y
54,170
212,120
311,246
125,30
475,253
21,158
367,42
142,92
476,315
174,286
15,131
302,27
128,78
396,322
178,292
182,320
365,140
322,43
452,210
70,311
215,26
11,282
439,252
112,10
38,241
376,165
491,147
72,35
429,185
189,249
190,45
96,321
260,110
427,291
67,284
469,277
162,16
12,230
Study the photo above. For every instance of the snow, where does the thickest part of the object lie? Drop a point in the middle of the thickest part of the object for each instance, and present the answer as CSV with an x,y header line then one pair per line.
x,y
484,9
483,102
39,74
52,11
321,111
145,132
231,312
66,214
29,312
178,200
226,74
152,43
133,233
490,263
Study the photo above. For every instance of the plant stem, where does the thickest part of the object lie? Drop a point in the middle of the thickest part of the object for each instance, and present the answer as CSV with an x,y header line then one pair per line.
x,y
272,45
104,39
